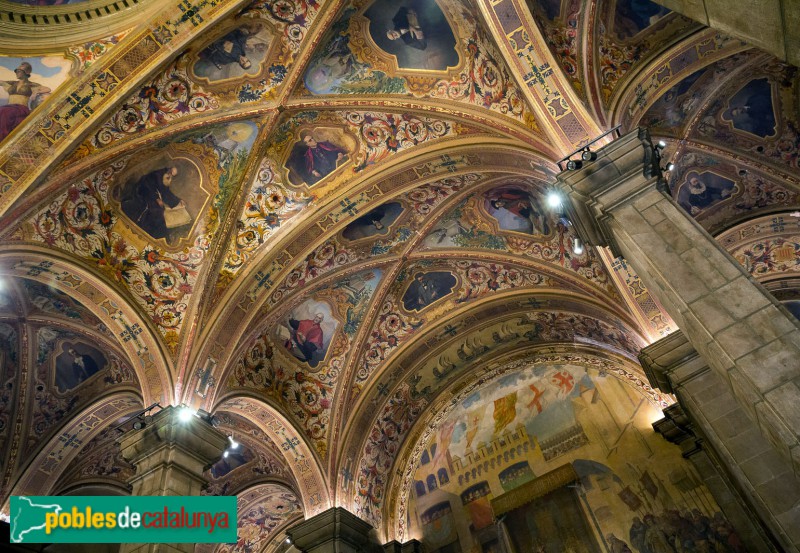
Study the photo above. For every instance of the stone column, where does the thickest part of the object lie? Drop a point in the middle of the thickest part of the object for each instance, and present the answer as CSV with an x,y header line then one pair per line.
x,y
749,340
754,486
170,457
334,531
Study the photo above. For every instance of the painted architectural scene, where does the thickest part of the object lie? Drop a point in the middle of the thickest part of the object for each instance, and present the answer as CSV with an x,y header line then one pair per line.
x,y
579,448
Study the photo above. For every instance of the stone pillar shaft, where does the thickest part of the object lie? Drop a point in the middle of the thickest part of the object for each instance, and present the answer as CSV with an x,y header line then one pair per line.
x,y
170,457
748,339
747,477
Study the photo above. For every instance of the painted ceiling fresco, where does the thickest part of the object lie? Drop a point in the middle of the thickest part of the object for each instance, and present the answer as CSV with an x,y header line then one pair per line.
x,y
327,223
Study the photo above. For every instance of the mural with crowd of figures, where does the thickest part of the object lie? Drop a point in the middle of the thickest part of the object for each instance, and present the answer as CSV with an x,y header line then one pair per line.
x,y
578,444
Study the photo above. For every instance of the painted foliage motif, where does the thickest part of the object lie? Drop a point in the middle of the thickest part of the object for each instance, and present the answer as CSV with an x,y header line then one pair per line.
x,y
522,427
261,511
416,32
26,83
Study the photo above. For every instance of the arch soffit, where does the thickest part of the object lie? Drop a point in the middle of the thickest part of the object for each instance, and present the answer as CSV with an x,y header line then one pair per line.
x,y
143,349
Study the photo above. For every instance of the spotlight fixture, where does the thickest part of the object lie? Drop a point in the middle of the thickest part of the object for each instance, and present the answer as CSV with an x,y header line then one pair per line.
x,y
588,155
670,166
234,443
225,455
554,199
661,145
185,414
574,164
139,424
577,246
288,539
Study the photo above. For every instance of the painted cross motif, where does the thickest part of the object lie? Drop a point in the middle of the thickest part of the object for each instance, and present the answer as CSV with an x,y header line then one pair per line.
x,y
536,402
564,381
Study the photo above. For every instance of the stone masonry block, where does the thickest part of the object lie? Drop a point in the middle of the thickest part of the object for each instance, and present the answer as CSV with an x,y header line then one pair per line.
x,y
711,313
739,340
747,445
774,428
745,393
780,494
764,467
653,216
786,400
648,199
743,298
676,240
712,278
771,323
769,366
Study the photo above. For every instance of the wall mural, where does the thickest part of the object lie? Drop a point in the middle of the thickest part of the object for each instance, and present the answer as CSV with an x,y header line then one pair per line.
x,y
716,191
307,331
377,222
70,372
277,362
562,34
261,511
629,32
247,63
240,52
48,300
510,218
629,484
416,32
343,143
767,247
147,219
758,116
422,47
9,361
100,459
24,84
258,458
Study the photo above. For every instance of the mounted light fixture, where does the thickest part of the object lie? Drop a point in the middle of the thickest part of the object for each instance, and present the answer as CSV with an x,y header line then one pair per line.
x,y
234,443
186,413
577,246
574,164
554,199
588,155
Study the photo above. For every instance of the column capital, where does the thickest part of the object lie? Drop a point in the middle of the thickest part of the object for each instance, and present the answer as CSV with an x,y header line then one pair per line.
x,y
336,529
623,170
165,430
670,361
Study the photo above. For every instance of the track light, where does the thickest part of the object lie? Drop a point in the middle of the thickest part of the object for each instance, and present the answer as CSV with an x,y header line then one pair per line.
x,y
661,145
288,539
234,443
225,455
577,246
588,155
670,166
139,424
574,164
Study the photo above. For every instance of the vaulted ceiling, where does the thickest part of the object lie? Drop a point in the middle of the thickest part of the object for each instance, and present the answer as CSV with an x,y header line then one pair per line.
x,y
398,192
